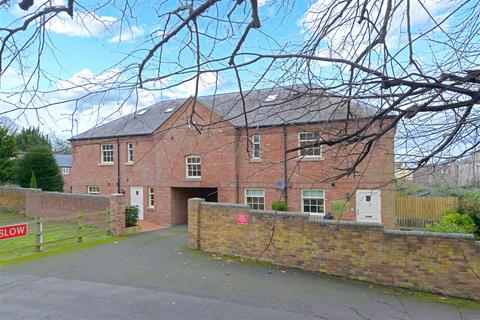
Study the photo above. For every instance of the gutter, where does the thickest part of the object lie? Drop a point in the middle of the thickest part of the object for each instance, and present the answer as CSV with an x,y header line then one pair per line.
x,y
118,166
285,173
237,146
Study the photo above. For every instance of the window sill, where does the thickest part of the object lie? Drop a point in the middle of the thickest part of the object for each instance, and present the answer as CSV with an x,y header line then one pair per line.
x,y
256,160
129,163
106,164
151,209
300,158
193,179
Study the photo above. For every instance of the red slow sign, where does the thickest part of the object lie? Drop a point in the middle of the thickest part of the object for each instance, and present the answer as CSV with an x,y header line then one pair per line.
x,y
13,231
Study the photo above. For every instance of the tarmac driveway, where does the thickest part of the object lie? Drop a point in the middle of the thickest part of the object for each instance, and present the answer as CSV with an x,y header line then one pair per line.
x,y
154,276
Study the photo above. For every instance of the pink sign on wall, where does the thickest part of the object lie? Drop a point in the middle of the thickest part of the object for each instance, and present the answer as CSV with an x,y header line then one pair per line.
x,y
242,218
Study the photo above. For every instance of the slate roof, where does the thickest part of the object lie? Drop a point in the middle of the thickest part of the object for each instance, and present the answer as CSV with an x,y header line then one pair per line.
x,y
63,160
264,107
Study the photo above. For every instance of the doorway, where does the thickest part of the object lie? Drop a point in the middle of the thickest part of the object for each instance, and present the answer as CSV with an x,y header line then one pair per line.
x,y
369,205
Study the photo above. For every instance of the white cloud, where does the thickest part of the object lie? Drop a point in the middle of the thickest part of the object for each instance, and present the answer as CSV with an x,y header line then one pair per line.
x,y
128,35
82,24
88,99
208,82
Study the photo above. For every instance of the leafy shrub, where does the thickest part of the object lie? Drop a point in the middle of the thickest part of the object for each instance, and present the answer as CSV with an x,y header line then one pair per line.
x,y
279,205
131,216
338,207
452,222
469,203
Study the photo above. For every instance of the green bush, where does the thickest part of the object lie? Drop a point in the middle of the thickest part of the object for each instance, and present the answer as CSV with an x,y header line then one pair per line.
x,y
469,203
33,181
131,216
47,173
338,207
452,222
279,205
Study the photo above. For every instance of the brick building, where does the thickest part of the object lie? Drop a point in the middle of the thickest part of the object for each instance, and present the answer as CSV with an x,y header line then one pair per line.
x,y
160,156
64,162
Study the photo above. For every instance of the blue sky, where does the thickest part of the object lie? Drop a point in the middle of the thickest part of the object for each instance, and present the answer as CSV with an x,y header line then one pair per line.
x,y
91,55
78,52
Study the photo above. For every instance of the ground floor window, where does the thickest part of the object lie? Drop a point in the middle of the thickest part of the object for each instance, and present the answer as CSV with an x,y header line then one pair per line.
x,y
255,198
313,201
93,190
151,197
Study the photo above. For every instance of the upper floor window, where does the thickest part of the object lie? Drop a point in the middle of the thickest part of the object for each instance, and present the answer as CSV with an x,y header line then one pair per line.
x,y
193,167
305,141
93,190
129,152
107,153
256,146
65,170
151,197
313,201
255,198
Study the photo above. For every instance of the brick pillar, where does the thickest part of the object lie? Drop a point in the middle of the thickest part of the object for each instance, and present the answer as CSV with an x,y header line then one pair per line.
x,y
117,213
388,207
194,222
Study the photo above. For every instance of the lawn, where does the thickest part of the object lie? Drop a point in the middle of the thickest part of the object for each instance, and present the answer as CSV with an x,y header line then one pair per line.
x,y
56,235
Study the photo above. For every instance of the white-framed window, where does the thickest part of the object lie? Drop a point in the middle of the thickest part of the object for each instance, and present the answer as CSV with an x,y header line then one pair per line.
x,y
255,198
305,140
129,152
65,170
313,201
151,197
193,167
255,146
107,153
93,190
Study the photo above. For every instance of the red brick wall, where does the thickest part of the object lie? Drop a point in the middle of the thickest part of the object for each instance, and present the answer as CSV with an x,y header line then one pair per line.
x,y
160,162
442,263
56,204
14,198
376,172
36,203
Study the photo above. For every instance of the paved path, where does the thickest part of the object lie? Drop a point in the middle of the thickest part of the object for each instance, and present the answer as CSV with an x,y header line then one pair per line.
x,y
153,276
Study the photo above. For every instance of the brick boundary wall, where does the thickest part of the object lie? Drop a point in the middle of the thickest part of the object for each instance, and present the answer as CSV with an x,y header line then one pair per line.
x,y
433,262
36,203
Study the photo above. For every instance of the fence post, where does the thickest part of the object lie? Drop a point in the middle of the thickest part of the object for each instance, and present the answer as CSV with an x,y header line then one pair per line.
x,y
38,235
79,226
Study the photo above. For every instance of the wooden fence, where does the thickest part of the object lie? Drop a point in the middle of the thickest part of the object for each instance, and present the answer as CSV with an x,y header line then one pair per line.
x,y
417,212
44,234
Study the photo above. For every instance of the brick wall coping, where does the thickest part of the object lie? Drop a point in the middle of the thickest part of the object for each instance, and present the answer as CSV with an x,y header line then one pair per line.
x,y
54,192
288,214
418,233
83,195
279,213
222,204
19,188
347,223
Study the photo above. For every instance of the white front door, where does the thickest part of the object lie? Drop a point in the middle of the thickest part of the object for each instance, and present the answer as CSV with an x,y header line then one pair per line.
x,y
369,205
136,199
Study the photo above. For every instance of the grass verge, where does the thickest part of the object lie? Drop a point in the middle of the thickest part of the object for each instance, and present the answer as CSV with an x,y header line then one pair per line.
x,y
59,250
